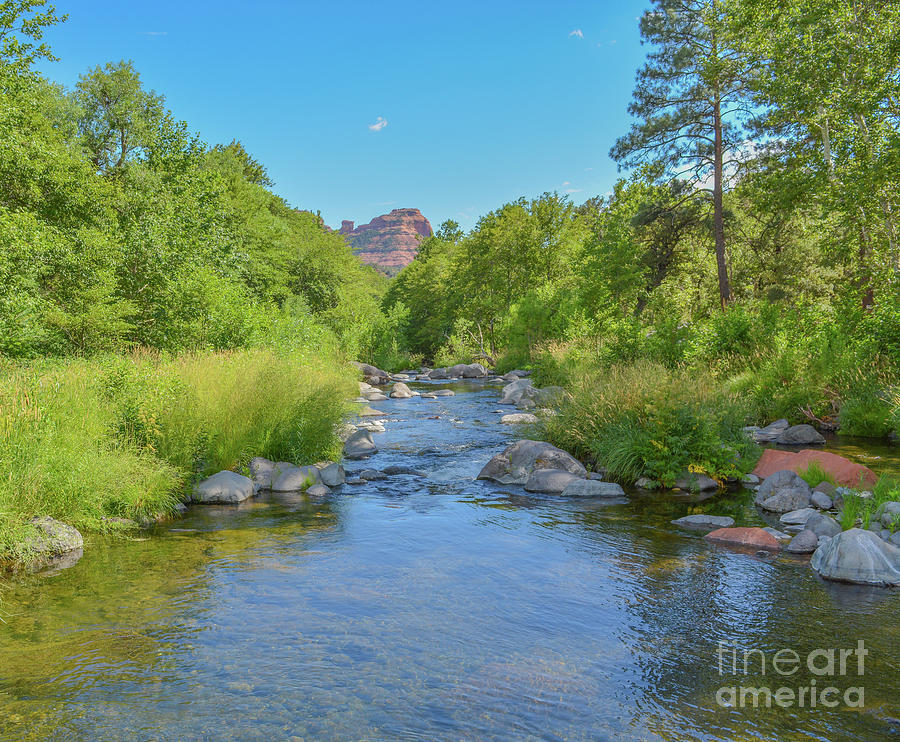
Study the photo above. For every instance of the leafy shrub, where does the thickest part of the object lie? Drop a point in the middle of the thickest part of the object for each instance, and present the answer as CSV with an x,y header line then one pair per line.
x,y
646,420
814,475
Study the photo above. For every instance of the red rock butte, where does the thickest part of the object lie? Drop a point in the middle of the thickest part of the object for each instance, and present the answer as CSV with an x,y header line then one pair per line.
x,y
390,242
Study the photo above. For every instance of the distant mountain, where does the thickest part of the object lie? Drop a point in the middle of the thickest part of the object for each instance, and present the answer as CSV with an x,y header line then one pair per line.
x,y
389,242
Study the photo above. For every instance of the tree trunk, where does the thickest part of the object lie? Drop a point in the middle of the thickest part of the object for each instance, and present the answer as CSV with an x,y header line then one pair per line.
x,y
718,211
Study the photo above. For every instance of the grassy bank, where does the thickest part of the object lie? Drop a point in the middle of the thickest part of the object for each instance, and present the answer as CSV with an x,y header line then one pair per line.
x,y
84,440
644,420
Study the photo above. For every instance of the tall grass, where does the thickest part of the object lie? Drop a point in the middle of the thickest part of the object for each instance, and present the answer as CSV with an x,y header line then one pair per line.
x,y
814,475
644,419
82,440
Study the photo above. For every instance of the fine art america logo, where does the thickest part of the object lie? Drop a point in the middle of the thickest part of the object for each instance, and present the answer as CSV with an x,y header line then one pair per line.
x,y
835,677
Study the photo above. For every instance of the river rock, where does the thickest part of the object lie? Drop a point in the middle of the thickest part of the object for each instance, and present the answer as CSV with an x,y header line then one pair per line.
x,y
401,391
645,483
371,475
823,525
782,492
888,513
591,488
804,542
549,481
360,445
370,412
395,470
703,522
319,490
518,460
771,431
262,472
375,396
820,500
859,557
532,397
52,538
474,371
371,374
297,479
345,430
438,374
513,392
755,538
332,475
518,418
798,517
693,482
800,435
428,395
226,487
444,393
778,535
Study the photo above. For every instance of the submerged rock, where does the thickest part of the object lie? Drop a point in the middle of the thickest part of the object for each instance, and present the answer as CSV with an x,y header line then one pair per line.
x,y
592,488
444,393
859,557
318,490
755,538
703,522
226,487
370,412
394,470
517,461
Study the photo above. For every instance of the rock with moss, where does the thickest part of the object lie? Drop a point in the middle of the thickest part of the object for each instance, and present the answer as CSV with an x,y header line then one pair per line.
x,y
297,479
52,538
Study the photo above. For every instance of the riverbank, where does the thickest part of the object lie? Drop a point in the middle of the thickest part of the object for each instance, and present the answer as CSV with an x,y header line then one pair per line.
x,y
109,443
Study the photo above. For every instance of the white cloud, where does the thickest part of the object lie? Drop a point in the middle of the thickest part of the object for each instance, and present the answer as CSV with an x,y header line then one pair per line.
x,y
379,124
577,33
567,183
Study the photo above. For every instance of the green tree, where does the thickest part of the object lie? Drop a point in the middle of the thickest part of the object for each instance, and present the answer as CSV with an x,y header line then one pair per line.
x,y
687,101
22,24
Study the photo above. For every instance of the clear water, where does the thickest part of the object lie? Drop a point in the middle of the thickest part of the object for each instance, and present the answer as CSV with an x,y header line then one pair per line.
x,y
436,609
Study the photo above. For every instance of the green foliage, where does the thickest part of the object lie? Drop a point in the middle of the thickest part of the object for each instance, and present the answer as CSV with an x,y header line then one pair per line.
x,y
85,440
646,420
814,475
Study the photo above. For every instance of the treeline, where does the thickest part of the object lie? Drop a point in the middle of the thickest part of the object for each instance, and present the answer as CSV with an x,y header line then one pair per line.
x,y
755,237
120,228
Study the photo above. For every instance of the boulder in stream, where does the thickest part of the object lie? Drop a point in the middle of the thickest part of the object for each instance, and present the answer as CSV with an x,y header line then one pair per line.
x,y
518,460
782,492
226,487
859,557
549,481
297,479
592,488
401,391
703,522
360,445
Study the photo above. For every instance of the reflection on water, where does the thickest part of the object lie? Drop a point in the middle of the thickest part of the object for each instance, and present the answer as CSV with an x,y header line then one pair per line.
x,y
429,609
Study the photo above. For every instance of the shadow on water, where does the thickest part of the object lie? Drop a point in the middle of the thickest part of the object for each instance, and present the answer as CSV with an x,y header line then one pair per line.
x,y
436,608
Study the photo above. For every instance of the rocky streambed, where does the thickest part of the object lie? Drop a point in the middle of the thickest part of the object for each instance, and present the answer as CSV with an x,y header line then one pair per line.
x,y
449,578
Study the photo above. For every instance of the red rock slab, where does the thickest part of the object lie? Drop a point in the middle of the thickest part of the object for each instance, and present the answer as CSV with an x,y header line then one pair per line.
x,y
747,538
843,470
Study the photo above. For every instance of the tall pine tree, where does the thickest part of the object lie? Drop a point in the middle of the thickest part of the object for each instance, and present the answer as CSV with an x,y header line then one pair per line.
x,y
687,99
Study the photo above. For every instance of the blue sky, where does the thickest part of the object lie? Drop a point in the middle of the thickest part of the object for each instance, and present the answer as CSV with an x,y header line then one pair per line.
x,y
483,101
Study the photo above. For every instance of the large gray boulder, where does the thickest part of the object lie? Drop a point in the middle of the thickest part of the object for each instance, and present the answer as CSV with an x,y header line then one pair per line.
x,y
859,557
798,517
474,371
332,475
513,391
226,487
52,538
262,472
401,391
360,445
823,525
296,479
703,522
319,490
550,481
592,488
800,435
372,374
517,461
531,397
783,492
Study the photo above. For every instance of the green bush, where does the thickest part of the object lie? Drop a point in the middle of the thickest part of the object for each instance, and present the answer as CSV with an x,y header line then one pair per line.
x,y
646,420
814,475
84,440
